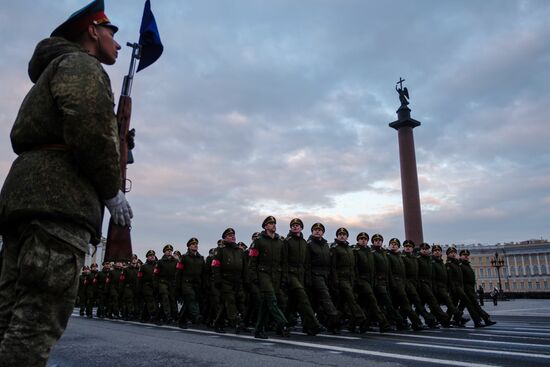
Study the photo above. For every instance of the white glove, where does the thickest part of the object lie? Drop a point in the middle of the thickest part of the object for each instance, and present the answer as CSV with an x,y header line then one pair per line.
x,y
120,209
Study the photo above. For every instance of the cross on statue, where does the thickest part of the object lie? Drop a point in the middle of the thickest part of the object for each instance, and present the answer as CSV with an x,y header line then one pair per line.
x,y
400,82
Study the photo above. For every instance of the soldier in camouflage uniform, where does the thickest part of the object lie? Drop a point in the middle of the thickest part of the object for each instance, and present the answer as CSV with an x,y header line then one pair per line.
x,y
165,281
65,136
145,287
317,278
469,278
382,280
343,278
298,257
425,285
364,267
189,278
229,276
268,270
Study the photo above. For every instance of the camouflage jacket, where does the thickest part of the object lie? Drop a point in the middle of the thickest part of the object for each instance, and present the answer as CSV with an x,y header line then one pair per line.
x,y
65,136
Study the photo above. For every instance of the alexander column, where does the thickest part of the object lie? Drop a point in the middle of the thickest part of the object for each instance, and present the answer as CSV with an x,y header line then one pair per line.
x,y
407,159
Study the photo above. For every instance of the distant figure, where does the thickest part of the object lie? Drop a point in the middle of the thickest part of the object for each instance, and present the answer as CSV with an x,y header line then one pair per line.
x,y
403,93
494,296
481,295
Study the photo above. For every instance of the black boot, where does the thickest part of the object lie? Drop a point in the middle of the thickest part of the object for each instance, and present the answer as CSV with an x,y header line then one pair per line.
x,y
260,335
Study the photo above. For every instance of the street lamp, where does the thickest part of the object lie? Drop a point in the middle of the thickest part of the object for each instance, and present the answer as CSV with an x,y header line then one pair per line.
x,y
498,263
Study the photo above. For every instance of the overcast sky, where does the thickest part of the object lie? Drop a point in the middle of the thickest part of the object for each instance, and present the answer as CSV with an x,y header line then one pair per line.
x,y
282,107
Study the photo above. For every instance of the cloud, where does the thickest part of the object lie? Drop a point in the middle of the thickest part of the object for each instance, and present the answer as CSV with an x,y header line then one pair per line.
x,y
282,108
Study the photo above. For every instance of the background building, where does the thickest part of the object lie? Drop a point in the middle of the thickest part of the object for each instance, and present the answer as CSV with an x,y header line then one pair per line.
x,y
525,270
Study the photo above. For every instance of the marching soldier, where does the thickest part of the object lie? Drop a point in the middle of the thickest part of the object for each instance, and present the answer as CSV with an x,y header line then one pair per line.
x,y
317,278
411,283
397,285
91,290
212,293
189,278
364,267
343,277
456,287
298,257
469,277
146,288
129,290
382,282
115,280
440,286
164,277
268,270
102,289
82,285
252,293
425,285
228,275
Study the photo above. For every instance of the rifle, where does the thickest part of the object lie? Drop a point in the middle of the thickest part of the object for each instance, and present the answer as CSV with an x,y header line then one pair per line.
x,y
119,243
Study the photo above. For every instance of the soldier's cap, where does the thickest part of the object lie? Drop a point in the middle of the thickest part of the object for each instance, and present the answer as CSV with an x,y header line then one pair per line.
x,y
255,235
297,221
85,267
78,22
465,252
150,253
318,226
408,243
450,249
270,219
192,241
396,241
93,265
177,253
363,235
342,230
227,232
377,236
168,247
436,247
424,245
220,242
106,263
242,245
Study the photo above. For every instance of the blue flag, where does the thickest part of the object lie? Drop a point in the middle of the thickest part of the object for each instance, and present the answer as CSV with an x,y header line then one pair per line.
x,y
149,38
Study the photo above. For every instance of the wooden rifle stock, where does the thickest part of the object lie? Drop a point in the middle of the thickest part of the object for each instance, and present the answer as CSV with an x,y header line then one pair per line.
x,y
119,243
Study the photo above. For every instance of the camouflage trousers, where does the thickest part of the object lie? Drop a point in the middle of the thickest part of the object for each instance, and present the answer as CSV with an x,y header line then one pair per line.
x,y
38,286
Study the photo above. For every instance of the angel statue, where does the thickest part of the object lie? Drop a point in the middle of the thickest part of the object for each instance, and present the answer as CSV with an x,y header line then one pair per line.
x,y
403,93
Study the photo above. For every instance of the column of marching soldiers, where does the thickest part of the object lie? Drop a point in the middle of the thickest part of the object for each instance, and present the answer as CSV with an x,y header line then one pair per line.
x,y
282,282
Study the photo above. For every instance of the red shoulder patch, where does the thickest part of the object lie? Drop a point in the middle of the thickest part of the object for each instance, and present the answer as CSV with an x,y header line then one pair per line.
x,y
216,263
140,274
253,252
156,271
179,266
122,277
